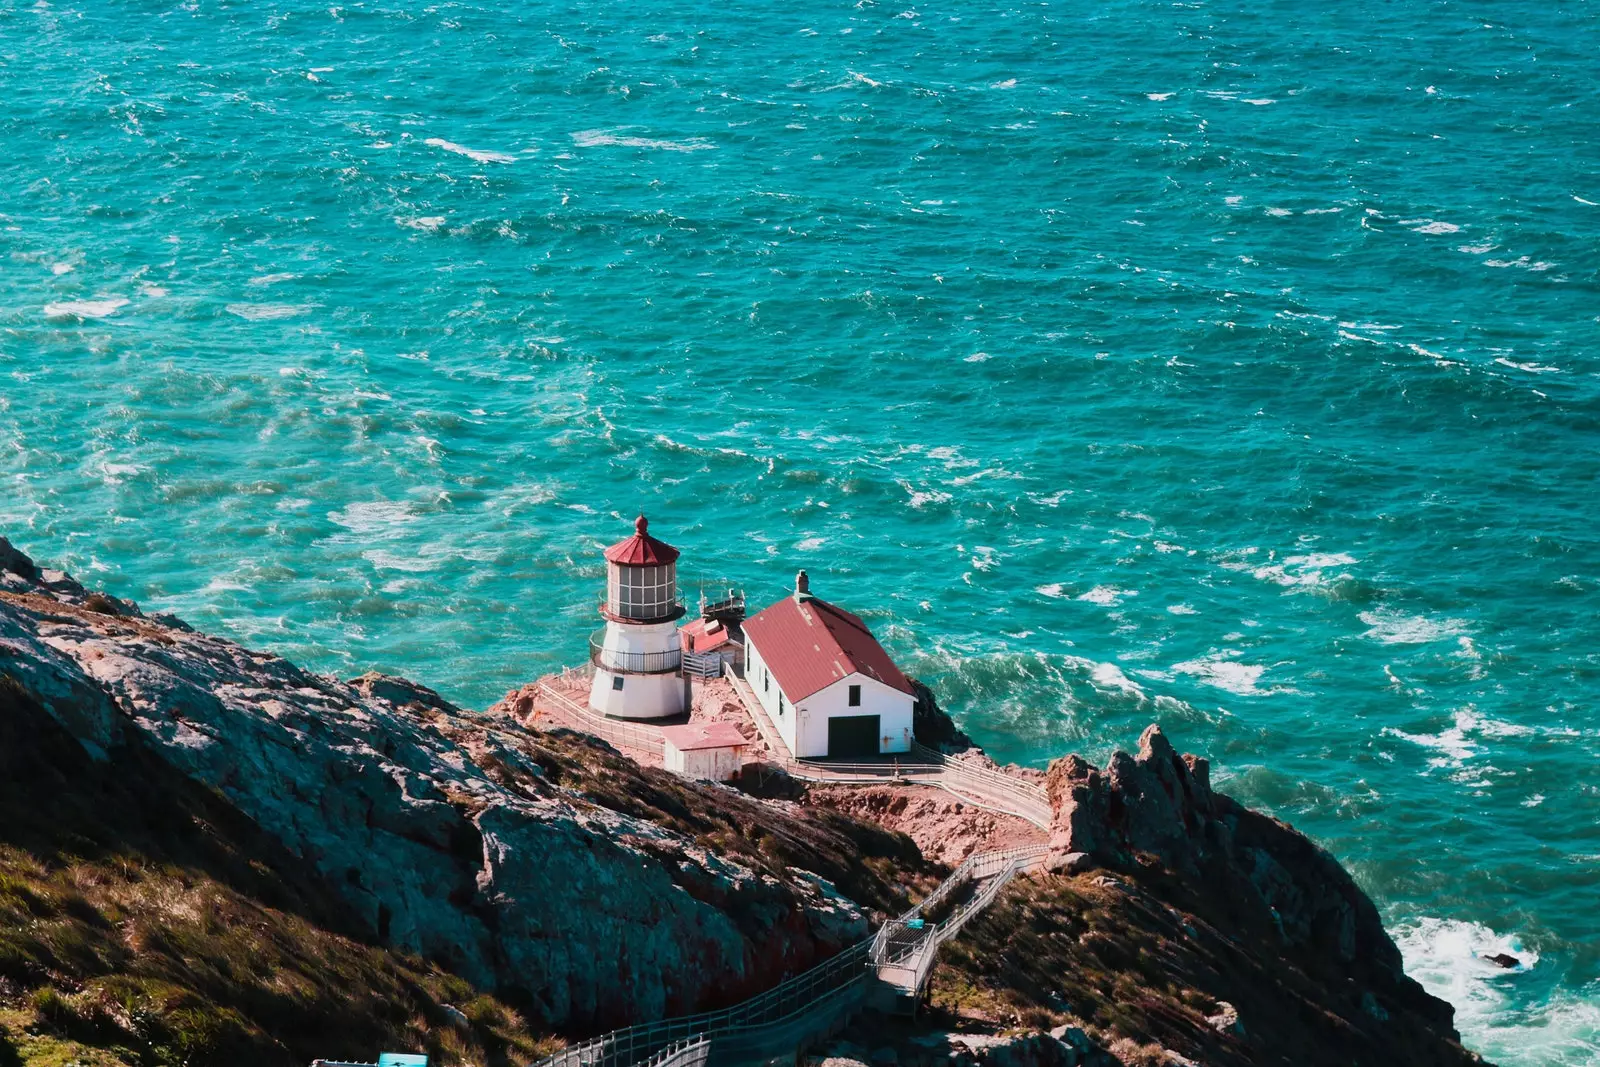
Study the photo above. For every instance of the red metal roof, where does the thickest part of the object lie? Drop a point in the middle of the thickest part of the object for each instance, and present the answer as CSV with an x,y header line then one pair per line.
x,y
698,735
809,644
641,550
695,637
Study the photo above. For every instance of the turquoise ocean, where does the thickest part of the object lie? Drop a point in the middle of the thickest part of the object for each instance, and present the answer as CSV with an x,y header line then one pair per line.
x,y
1231,366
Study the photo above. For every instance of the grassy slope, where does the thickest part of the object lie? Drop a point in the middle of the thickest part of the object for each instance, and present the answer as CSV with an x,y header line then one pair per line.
x,y
144,921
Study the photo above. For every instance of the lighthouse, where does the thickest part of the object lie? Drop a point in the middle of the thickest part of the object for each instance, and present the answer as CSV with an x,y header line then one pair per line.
x,y
637,654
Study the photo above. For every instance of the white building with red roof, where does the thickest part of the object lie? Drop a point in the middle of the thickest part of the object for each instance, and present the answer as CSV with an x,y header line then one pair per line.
x,y
825,681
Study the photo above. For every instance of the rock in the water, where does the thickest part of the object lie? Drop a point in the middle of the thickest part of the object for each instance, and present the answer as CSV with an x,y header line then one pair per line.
x,y
1504,959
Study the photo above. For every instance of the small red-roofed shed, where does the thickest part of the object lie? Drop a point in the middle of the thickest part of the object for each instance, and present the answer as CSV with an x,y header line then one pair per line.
x,y
829,686
712,751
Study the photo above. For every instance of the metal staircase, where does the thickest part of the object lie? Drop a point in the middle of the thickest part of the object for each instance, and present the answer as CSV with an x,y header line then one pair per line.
x,y
888,970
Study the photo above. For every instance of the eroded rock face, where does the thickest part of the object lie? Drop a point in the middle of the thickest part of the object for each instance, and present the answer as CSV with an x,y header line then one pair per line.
x,y
438,826
1161,804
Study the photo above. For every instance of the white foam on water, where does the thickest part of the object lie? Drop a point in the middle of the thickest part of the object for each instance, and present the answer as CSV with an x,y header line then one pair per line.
x,y
1431,226
1309,571
478,155
1227,673
1397,628
1009,83
1454,743
977,357
1531,368
59,269
426,223
1448,957
602,138
1158,97
373,516
1181,609
864,80
1054,590
921,498
272,279
1279,212
1106,595
1259,101
811,544
85,309
1110,676
267,312
391,561
1581,200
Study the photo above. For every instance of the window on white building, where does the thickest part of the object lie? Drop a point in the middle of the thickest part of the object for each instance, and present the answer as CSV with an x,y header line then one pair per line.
x,y
616,681
855,696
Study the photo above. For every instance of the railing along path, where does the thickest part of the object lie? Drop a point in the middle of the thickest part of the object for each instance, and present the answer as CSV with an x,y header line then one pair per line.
x,y
898,958
805,1007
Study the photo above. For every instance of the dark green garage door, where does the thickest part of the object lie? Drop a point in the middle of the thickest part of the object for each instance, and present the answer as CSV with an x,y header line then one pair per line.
x,y
853,736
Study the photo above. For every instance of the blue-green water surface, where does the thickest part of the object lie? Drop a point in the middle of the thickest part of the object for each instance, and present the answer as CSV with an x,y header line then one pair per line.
x,y
1232,366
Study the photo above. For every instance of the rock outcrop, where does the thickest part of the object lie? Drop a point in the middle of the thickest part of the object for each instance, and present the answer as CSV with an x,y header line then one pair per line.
x,y
459,837
1161,804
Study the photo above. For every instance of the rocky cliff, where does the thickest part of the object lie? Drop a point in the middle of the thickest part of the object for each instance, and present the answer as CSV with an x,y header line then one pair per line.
x,y
592,892
208,855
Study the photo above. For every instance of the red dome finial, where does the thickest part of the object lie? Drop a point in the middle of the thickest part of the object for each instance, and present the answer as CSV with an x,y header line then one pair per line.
x,y
641,524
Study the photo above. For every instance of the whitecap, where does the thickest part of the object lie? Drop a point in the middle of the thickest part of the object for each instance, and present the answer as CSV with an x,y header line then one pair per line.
x,y
85,309
1224,672
1258,101
390,561
476,154
1279,212
1107,595
1181,609
372,516
1397,628
601,138
1054,590
266,312
273,279
1110,676
921,498
1449,958
864,80
1009,83
977,357
429,223
1431,226
1158,97
1531,368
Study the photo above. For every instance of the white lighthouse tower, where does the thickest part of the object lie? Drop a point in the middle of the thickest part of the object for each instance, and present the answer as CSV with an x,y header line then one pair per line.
x,y
637,656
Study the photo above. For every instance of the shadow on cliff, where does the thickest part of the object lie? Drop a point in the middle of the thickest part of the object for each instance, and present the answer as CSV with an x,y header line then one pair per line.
x,y
142,913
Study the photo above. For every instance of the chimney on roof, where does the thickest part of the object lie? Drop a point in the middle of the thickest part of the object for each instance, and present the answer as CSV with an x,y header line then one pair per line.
x,y
802,586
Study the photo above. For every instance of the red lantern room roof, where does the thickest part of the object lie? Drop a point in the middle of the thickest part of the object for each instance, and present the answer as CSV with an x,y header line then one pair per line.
x,y
641,550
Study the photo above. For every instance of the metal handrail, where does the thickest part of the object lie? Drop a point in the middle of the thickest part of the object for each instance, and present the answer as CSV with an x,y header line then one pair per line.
x,y
611,659
621,734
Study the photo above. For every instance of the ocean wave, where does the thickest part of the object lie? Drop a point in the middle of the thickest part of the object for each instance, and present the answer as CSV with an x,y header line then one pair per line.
x,y
1494,1013
85,309
1225,671
372,516
478,155
268,312
1397,628
602,138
